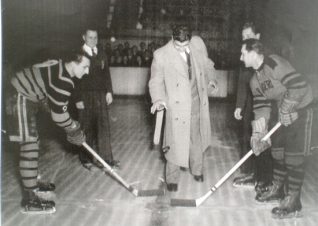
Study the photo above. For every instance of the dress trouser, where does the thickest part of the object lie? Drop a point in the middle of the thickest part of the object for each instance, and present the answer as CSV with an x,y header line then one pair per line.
x,y
260,166
249,165
195,152
94,120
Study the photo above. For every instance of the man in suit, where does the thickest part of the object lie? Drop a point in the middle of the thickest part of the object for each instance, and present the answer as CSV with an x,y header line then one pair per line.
x,y
180,74
256,171
92,97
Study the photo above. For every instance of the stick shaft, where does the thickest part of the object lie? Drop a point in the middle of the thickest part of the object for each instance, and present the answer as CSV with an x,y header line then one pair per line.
x,y
270,133
159,117
119,178
197,202
248,154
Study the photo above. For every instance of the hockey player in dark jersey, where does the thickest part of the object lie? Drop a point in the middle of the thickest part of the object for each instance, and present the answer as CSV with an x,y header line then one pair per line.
x,y
276,80
52,82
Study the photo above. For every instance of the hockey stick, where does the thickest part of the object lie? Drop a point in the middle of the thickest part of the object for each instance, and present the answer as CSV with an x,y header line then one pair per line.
x,y
197,202
134,191
156,137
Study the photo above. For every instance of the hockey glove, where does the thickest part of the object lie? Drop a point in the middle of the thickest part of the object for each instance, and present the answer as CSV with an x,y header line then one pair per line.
x,y
259,131
287,112
75,135
288,118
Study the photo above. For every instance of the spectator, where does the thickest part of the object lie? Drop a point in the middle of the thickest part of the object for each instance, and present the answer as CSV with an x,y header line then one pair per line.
x,y
93,96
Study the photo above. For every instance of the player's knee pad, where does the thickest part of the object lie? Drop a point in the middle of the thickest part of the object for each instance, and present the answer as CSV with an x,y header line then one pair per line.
x,y
277,154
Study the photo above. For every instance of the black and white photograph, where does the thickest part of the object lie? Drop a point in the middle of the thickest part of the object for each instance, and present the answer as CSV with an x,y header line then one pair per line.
x,y
159,112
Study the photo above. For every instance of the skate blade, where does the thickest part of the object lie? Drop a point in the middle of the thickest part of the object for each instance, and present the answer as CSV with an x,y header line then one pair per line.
x,y
38,212
245,186
268,203
296,214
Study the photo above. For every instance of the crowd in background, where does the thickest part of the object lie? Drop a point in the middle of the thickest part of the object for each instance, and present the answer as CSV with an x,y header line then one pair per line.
x,y
125,55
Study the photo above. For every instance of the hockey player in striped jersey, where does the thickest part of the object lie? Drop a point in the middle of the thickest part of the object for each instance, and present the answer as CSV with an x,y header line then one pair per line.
x,y
48,82
276,81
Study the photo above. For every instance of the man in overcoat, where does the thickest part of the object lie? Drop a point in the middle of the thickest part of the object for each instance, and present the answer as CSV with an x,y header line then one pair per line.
x,y
180,75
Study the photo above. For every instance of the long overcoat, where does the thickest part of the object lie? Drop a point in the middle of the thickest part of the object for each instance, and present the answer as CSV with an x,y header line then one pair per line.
x,y
169,82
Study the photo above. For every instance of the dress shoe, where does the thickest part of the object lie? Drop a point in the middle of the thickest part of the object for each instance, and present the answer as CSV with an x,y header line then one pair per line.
x,y
113,163
246,180
172,187
90,166
183,168
198,178
87,165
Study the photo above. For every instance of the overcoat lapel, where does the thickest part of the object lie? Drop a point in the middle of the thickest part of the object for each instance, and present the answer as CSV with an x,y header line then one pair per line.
x,y
177,62
196,65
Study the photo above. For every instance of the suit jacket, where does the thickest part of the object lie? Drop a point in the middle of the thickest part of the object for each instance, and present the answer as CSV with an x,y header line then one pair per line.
x,y
98,78
244,93
170,82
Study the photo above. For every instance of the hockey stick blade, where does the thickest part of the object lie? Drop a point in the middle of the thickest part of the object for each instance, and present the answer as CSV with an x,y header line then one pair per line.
x,y
153,192
192,202
183,202
197,202
111,171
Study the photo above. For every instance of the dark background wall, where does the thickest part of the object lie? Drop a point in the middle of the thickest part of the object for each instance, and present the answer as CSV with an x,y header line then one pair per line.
x,y
32,26
290,26
294,24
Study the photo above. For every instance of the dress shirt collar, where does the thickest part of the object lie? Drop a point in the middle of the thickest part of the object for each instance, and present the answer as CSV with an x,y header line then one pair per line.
x,y
89,50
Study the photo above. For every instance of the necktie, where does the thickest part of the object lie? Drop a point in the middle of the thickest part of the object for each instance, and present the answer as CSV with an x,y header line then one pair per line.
x,y
93,53
189,64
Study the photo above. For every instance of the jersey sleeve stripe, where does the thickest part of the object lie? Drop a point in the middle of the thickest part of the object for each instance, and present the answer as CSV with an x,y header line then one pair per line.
x,y
28,78
21,85
295,81
38,78
289,76
262,106
36,83
61,91
298,86
63,78
57,102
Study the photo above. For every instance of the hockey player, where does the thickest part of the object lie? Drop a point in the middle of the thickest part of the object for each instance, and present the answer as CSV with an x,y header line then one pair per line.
x,y
276,80
50,81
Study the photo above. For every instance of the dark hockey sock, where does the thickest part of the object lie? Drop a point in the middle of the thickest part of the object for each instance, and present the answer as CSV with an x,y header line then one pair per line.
x,y
296,176
279,172
28,165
